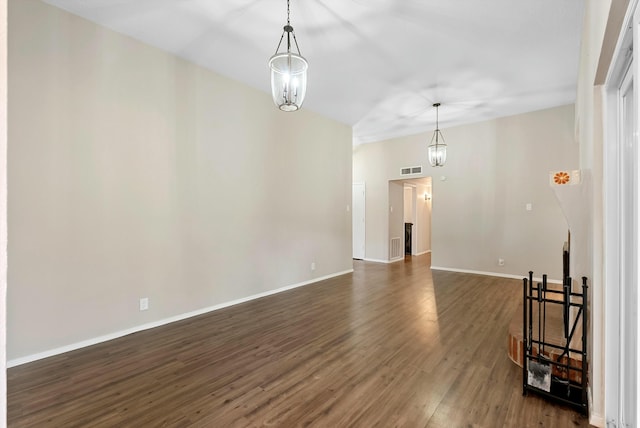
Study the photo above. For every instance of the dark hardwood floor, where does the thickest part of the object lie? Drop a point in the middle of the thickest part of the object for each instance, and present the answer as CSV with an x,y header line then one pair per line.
x,y
387,346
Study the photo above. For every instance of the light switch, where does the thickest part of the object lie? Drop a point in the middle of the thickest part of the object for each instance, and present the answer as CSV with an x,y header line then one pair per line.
x,y
529,207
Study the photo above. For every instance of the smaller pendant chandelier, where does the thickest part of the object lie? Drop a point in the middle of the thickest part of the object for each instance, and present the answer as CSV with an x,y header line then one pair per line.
x,y
288,73
437,149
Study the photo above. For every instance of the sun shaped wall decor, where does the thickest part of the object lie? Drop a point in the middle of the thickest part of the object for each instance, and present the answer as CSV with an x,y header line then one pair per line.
x,y
566,177
561,177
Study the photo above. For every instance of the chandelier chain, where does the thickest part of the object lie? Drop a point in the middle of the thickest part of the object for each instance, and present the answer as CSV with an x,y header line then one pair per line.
x,y
288,22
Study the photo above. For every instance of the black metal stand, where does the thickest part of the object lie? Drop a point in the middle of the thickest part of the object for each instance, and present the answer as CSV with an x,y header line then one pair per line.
x,y
560,361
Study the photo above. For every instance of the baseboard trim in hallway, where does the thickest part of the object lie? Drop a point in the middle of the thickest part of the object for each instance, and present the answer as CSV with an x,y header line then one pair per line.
x,y
107,337
496,274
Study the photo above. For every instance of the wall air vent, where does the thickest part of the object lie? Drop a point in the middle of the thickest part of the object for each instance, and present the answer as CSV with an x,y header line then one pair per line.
x,y
411,170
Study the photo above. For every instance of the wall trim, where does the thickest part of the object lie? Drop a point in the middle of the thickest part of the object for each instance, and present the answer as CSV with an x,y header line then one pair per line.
x,y
397,259
105,338
501,275
595,419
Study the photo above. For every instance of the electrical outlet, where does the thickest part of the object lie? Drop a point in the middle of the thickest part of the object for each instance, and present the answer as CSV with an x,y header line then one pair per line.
x,y
313,265
500,262
144,303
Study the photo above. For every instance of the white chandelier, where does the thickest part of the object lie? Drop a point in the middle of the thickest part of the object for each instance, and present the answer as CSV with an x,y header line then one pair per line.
x,y
288,73
437,150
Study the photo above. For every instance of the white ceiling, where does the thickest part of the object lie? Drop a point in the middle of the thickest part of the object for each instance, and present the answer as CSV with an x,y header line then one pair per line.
x,y
377,65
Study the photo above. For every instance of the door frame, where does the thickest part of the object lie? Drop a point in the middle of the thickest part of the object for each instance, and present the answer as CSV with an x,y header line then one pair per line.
x,y
625,66
414,214
364,219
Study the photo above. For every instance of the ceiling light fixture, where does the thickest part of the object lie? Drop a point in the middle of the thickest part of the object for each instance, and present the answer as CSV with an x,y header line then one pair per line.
x,y
288,73
437,150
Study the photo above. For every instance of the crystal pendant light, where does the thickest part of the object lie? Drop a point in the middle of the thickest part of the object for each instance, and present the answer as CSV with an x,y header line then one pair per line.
x,y
437,149
288,73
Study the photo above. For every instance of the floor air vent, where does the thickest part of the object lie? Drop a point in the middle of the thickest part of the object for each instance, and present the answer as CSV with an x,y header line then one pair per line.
x,y
396,248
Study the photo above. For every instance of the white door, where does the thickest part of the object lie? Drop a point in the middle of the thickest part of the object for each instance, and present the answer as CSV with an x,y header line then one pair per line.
x,y
358,211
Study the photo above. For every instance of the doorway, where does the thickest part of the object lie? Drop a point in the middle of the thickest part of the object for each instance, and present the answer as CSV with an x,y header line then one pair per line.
x,y
414,222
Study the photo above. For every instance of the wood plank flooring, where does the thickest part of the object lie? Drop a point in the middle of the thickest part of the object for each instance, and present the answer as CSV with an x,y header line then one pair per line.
x,y
387,346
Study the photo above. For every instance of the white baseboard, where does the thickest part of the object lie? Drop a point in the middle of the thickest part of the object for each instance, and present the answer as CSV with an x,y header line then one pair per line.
x,y
423,252
595,419
397,259
500,275
147,326
376,260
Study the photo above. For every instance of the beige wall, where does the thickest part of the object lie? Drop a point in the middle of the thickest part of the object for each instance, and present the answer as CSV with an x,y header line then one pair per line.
x,y
396,208
601,29
133,173
408,205
587,229
493,170
423,233
3,212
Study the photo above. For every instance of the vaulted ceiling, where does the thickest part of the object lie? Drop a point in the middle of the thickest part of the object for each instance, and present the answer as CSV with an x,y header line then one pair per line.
x,y
377,65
